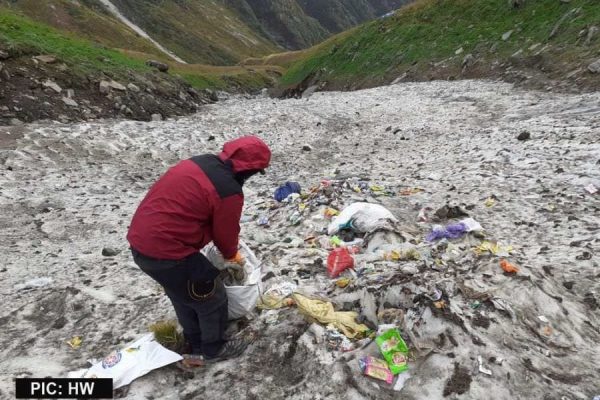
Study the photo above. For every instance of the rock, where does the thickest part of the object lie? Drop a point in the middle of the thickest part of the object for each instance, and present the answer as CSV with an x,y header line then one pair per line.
x,y
525,135
468,61
306,148
110,252
212,95
494,47
534,46
459,51
48,59
70,93
4,55
309,91
156,117
52,85
594,67
507,35
133,87
16,122
70,102
591,33
400,78
1,67
104,87
162,67
117,86
211,138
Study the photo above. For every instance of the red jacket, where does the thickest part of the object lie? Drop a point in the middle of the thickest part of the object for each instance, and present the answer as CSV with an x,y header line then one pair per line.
x,y
197,201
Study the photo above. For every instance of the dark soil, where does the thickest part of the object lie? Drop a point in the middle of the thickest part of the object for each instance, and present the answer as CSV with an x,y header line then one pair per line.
x,y
459,382
25,98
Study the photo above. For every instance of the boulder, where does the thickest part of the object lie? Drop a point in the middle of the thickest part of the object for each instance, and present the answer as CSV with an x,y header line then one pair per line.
x,y
507,35
46,58
4,55
133,87
52,85
162,67
525,135
70,102
156,117
594,67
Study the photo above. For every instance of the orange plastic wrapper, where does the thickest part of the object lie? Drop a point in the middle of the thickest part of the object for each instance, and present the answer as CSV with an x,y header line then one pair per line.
x,y
508,267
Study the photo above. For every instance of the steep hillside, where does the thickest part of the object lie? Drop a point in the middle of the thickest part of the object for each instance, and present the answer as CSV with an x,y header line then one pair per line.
x,y
87,18
217,32
50,74
297,24
542,41
204,31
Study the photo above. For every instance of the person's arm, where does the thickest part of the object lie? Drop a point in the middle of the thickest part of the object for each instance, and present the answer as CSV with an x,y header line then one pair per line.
x,y
226,225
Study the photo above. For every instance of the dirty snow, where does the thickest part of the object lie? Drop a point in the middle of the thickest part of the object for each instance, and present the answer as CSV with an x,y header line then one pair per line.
x,y
67,191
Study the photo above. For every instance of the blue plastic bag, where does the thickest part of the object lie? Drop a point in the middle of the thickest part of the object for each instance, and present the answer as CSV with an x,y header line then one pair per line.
x,y
283,191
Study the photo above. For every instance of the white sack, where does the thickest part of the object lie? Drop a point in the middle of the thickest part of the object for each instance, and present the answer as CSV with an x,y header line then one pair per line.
x,y
241,299
131,362
365,217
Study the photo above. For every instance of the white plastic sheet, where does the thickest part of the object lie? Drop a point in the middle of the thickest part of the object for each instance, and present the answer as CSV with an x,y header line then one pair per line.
x,y
365,217
242,299
131,362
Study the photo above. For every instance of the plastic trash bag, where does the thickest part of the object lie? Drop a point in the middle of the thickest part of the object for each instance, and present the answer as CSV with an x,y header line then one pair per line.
x,y
362,217
242,298
323,312
283,191
338,261
131,362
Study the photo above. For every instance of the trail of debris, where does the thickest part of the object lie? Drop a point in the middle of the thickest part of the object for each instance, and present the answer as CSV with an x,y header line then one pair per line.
x,y
68,193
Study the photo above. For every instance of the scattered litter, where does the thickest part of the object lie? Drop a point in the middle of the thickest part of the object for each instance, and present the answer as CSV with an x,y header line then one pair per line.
x,y
493,248
343,282
131,362
338,261
362,217
482,369
277,296
394,350
376,368
285,190
75,342
34,283
401,381
337,341
490,202
323,312
453,231
508,267
591,189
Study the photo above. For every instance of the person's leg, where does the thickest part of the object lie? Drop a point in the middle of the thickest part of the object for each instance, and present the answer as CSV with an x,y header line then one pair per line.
x,y
213,322
173,278
188,319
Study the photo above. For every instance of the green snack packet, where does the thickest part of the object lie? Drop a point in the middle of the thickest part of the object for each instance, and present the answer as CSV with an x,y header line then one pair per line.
x,y
394,350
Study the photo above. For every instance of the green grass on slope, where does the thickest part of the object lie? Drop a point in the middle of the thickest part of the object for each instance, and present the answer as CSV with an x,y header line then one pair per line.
x,y
433,30
25,36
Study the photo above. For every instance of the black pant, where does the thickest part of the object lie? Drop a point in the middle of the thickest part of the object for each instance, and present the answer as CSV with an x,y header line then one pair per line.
x,y
198,296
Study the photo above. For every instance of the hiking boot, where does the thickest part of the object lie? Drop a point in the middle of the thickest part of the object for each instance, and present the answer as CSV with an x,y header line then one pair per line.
x,y
231,349
191,362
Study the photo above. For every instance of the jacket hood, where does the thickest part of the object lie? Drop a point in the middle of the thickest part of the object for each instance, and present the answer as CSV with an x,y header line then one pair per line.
x,y
247,153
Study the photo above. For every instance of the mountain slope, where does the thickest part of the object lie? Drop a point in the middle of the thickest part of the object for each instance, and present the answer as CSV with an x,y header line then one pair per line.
x,y
297,24
459,38
217,32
